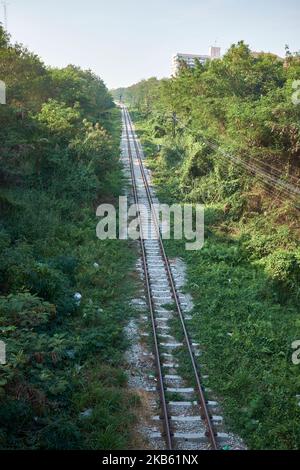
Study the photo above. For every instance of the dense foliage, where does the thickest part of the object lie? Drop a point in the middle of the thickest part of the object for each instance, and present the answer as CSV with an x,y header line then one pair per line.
x,y
61,386
246,279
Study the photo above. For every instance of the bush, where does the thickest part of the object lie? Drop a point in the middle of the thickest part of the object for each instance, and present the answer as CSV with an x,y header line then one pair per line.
x,y
25,311
284,268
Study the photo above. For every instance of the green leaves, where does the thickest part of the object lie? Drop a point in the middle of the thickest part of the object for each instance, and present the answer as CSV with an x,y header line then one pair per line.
x,y
82,88
59,119
24,311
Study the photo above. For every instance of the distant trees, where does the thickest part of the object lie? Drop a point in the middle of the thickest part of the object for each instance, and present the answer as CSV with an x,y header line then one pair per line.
x,y
30,83
142,95
51,103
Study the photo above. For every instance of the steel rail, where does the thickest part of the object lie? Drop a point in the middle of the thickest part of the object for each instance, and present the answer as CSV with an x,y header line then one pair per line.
x,y
166,423
205,415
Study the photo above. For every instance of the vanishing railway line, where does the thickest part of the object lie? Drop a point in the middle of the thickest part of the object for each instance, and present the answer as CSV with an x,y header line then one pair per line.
x,y
197,424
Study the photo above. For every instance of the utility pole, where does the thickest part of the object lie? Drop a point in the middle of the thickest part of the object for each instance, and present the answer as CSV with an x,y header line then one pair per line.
x,y
174,119
4,4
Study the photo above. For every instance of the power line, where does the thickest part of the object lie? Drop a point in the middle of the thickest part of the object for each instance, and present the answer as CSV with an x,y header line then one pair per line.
x,y
268,178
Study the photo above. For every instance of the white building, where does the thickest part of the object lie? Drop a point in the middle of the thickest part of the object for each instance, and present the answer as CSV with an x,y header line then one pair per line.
x,y
189,59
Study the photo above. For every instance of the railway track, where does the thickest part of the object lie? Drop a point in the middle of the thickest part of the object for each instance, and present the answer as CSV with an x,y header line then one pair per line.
x,y
188,421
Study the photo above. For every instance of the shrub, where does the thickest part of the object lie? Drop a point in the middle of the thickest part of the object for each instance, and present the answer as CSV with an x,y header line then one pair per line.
x,y
284,268
24,310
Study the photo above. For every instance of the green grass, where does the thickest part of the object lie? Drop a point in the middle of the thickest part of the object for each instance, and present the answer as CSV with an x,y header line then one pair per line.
x,y
245,336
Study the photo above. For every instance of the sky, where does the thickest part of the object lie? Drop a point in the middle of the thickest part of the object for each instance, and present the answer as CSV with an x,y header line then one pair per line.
x,y
125,41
